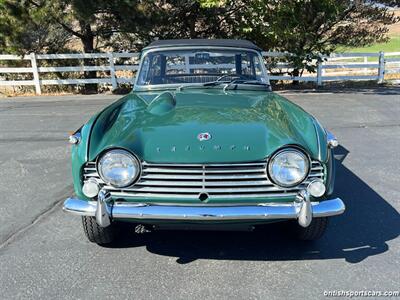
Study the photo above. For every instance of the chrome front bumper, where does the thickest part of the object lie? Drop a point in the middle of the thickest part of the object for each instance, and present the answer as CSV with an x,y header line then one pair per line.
x,y
302,210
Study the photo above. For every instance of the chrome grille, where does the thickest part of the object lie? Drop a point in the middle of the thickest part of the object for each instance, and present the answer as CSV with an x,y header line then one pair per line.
x,y
236,180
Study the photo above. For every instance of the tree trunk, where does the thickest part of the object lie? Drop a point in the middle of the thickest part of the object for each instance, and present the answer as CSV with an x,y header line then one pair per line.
x,y
191,21
88,47
296,73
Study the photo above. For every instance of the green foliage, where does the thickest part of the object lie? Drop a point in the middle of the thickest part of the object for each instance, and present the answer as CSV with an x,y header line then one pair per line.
x,y
23,29
189,19
211,3
306,28
312,27
49,25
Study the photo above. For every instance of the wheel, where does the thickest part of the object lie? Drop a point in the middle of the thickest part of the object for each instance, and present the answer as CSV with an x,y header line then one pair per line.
x,y
97,234
311,233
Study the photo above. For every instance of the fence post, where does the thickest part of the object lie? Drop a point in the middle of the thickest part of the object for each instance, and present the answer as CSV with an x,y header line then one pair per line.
x,y
365,62
112,71
319,72
35,74
381,69
187,64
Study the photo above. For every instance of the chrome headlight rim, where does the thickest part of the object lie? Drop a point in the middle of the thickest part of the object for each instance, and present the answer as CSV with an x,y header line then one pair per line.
x,y
120,151
293,149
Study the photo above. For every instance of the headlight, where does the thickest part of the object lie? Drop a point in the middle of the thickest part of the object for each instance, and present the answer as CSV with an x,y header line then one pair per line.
x,y
288,167
118,168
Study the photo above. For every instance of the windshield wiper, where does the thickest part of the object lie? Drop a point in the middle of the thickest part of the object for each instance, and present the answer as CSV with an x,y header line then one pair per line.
x,y
235,81
251,82
227,83
219,80
215,83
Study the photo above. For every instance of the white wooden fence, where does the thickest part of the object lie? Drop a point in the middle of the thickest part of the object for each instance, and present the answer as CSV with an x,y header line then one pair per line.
x,y
345,66
336,67
36,70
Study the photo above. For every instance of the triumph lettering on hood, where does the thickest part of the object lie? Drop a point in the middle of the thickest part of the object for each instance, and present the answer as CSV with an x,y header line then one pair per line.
x,y
202,148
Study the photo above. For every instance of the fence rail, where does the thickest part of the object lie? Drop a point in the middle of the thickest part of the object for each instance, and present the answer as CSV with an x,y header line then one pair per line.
x,y
336,67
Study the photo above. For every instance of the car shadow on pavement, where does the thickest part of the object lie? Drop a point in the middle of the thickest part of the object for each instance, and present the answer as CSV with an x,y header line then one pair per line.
x,y
368,223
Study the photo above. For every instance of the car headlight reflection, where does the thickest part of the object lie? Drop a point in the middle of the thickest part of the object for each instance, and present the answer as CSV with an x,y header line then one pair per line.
x,y
118,168
288,167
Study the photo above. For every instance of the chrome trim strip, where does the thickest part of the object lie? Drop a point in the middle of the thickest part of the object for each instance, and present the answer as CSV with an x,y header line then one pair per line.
x,y
143,211
210,190
92,164
315,121
117,194
261,163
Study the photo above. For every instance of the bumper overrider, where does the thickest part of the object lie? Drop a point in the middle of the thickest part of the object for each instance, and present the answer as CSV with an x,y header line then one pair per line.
x,y
302,209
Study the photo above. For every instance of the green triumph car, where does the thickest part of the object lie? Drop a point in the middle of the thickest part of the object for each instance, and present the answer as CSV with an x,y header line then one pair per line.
x,y
202,142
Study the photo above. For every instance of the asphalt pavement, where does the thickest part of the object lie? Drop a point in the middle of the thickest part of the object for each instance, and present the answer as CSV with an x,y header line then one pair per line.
x,y
44,254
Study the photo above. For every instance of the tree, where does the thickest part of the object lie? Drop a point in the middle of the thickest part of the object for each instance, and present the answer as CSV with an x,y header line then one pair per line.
x,y
49,25
313,27
21,35
91,22
309,28
305,28
189,19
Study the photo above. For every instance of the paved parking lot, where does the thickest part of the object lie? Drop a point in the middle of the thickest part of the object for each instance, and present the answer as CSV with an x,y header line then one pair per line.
x,y
43,253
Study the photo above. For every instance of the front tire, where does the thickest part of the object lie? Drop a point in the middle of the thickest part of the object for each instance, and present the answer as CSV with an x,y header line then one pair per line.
x,y
97,234
313,232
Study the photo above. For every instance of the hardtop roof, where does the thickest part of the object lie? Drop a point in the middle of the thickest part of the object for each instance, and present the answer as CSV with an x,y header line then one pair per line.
x,y
203,42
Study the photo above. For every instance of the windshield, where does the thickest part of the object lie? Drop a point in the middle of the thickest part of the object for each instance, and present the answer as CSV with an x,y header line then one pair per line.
x,y
199,66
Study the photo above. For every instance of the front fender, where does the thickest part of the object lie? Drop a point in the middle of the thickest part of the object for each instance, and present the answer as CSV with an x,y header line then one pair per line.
x,y
79,156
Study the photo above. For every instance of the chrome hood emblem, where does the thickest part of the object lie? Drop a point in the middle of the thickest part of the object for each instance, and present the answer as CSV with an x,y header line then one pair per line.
x,y
204,136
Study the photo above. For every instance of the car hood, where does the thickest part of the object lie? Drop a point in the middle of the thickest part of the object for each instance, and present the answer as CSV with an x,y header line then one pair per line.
x,y
164,126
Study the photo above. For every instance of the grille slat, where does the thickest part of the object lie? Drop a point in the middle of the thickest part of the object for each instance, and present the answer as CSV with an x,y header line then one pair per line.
x,y
187,181
200,183
195,196
211,165
316,174
196,171
200,177
196,190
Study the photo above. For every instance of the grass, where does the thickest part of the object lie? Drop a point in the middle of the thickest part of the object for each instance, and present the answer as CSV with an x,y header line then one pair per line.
x,y
393,45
